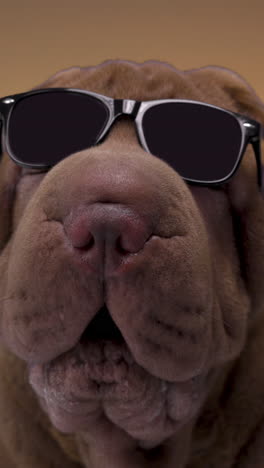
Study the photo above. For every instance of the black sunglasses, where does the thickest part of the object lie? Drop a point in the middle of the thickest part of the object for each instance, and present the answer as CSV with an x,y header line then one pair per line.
x,y
203,143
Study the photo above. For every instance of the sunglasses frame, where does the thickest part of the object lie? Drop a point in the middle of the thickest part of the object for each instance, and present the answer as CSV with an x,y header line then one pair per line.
x,y
250,129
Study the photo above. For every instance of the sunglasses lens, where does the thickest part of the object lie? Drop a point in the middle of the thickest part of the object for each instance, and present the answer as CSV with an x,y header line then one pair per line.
x,y
44,128
200,142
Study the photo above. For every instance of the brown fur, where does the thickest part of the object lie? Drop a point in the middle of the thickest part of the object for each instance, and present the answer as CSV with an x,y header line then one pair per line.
x,y
191,308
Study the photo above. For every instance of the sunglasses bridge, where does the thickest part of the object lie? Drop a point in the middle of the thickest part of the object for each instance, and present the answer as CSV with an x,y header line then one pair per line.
x,y
126,107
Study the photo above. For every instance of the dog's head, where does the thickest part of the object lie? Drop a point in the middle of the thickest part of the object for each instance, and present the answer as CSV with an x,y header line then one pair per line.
x,y
124,287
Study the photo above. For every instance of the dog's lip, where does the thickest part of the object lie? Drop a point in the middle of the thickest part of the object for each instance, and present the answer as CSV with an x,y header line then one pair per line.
x,y
104,350
102,367
102,353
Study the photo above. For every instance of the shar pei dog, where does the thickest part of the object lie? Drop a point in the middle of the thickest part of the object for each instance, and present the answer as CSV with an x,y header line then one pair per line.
x,y
132,270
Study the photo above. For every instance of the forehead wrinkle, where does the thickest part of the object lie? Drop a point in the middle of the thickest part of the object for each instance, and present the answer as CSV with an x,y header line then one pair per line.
x,y
123,80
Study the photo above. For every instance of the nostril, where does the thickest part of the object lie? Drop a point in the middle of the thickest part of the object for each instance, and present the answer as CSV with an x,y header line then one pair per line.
x,y
86,244
105,234
90,243
119,247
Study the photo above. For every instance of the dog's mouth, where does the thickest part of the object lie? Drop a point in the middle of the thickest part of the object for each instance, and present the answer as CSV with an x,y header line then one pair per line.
x,y
101,357
99,381
102,327
102,351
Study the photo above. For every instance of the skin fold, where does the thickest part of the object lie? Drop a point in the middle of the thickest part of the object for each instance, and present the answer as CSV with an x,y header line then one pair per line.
x,y
182,385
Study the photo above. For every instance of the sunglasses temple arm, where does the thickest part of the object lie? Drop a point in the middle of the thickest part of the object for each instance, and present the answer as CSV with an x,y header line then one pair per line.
x,y
255,141
1,133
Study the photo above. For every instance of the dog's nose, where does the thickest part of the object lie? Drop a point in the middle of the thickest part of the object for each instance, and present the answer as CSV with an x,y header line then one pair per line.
x,y
103,235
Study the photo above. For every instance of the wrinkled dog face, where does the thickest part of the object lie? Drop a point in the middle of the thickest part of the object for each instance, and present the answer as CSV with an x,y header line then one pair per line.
x,y
123,287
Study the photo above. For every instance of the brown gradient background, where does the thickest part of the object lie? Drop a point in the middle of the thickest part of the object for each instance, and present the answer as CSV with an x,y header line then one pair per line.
x,y
39,37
